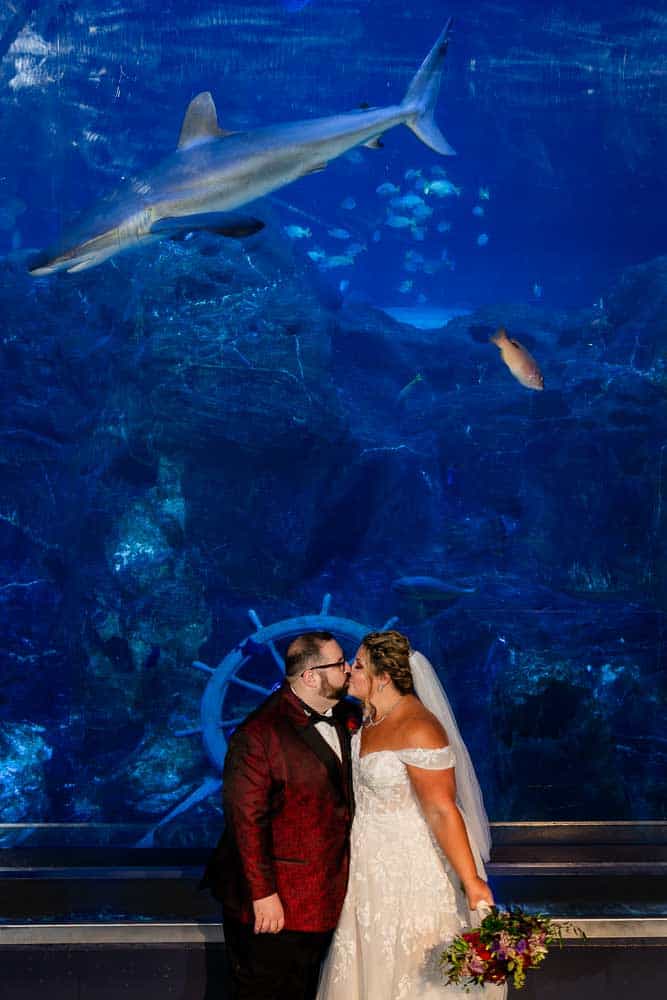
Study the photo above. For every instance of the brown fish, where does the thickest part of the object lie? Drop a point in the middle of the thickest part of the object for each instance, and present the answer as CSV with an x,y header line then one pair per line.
x,y
522,365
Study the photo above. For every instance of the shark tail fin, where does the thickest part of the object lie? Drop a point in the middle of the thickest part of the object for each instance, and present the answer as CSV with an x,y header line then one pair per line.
x,y
419,102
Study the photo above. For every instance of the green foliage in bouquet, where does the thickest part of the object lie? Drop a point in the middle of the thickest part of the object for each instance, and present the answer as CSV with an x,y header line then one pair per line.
x,y
505,945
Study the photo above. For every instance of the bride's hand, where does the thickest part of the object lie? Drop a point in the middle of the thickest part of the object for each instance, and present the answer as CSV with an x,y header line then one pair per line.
x,y
477,891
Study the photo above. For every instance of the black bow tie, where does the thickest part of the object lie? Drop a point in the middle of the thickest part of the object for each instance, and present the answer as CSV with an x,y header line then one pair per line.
x,y
315,717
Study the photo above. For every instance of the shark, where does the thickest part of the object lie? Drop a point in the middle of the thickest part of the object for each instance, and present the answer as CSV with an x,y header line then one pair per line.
x,y
211,177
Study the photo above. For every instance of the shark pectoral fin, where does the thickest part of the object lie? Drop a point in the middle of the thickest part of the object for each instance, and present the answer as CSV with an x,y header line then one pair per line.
x,y
201,122
221,223
237,230
375,143
83,265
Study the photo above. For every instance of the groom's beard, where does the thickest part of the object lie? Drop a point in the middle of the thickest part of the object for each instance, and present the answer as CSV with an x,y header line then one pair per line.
x,y
333,692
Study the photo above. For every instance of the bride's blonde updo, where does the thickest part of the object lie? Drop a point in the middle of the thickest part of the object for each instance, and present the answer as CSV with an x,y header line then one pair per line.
x,y
389,652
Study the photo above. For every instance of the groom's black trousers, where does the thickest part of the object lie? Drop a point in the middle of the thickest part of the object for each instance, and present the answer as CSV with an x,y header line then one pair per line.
x,y
282,966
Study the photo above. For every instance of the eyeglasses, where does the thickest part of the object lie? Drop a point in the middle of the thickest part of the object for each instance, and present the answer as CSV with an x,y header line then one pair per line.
x,y
339,665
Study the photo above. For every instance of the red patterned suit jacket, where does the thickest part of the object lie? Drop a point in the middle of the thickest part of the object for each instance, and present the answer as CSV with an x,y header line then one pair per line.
x,y
288,810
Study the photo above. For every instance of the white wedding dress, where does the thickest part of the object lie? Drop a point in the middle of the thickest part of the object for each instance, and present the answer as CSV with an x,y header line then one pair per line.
x,y
404,902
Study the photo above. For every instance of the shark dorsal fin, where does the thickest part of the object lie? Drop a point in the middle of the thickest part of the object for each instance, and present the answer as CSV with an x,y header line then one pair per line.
x,y
201,122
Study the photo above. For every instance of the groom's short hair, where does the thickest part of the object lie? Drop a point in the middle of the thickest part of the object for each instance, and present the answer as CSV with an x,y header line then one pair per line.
x,y
303,650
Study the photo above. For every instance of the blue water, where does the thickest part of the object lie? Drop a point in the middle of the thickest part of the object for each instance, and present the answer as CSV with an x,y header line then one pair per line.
x,y
205,426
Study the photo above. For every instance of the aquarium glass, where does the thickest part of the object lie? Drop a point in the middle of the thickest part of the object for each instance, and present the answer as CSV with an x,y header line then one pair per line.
x,y
262,379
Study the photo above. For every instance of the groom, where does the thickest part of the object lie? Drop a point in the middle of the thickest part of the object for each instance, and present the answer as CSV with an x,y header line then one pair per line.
x,y
280,869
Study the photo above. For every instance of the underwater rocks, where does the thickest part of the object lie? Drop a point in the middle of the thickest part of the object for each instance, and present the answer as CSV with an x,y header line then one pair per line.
x,y
162,772
24,798
149,616
634,316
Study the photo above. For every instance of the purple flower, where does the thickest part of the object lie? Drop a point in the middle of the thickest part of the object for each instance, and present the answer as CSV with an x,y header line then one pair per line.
x,y
521,946
502,946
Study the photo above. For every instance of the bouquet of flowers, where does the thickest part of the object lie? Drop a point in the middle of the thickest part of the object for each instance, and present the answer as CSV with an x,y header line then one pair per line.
x,y
502,948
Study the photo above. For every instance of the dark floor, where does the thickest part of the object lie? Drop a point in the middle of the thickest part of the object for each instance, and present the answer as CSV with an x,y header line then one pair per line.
x,y
577,972
109,972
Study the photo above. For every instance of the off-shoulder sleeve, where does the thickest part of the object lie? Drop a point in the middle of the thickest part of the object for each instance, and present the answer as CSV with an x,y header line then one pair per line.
x,y
431,760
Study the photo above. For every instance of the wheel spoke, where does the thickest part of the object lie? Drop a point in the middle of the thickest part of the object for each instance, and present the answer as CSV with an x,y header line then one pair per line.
x,y
188,732
250,686
203,666
389,623
277,657
257,622
232,722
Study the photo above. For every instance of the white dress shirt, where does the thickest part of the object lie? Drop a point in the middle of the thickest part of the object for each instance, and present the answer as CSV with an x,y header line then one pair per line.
x,y
330,734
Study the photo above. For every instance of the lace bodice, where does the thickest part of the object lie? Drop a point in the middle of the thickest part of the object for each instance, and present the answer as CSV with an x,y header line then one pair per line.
x,y
382,784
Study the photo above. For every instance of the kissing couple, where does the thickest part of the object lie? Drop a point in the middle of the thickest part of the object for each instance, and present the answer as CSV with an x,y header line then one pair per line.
x,y
353,849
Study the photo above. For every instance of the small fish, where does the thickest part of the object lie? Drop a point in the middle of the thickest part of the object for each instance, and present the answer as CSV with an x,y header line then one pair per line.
x,y
422,299
478,211
421,212
524,367
408,389
339,234
538,290
412,260
316,254
484,194
430,590
406,201
412,175
343,286
354,248
377,236
348,204
384,190
482,239
418,233
399,221
442,188
339,260
444,227
297,232
405,286
438,171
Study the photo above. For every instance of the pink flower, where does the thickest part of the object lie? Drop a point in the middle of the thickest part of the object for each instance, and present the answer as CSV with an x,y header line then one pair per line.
x,y
477,966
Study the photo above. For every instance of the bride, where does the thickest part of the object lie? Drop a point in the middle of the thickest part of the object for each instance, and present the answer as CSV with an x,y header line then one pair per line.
x,y
419,838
